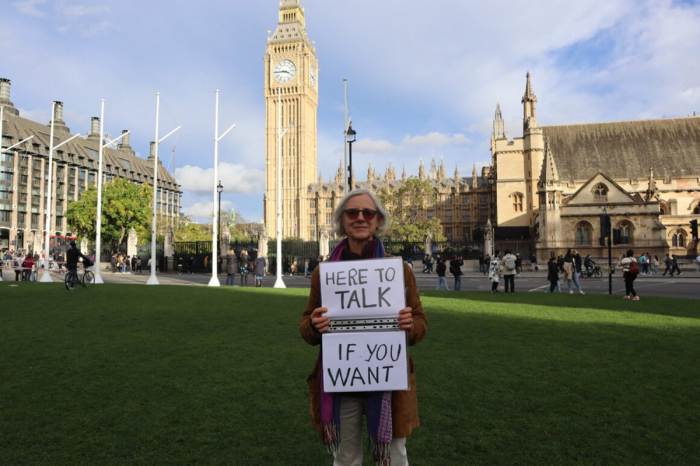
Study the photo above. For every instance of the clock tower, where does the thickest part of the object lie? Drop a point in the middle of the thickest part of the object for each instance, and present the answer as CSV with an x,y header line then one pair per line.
x,y
291,85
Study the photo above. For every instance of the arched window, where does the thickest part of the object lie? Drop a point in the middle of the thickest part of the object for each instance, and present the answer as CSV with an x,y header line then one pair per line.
x,y
625,233
663,209
678,239
517,202
696,210
600,192
584,232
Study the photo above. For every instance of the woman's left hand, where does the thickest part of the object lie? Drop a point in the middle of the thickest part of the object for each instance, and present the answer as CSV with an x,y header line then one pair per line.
x,y
406,318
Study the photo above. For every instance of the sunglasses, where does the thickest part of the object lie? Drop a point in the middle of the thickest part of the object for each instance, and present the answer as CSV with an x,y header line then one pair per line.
x,y
368,214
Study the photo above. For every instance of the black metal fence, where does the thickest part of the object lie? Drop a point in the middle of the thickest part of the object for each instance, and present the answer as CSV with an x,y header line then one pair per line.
x,y
298,251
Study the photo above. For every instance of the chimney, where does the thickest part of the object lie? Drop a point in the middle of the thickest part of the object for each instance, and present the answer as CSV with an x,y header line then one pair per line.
x,y
94,134
125,140
153,154
5,97
124,145
59,124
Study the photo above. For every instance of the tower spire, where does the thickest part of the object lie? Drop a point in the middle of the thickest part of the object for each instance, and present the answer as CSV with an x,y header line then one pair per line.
x,y
530,112
550,174
498,123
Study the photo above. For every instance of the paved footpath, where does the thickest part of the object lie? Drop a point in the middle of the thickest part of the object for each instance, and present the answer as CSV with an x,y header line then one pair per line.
x,y
686,285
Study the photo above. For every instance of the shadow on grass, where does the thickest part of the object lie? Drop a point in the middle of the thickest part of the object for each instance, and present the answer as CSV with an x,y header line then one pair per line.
x,y
163,375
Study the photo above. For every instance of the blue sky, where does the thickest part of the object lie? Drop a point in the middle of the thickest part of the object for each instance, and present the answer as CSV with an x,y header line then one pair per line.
x,y
423,77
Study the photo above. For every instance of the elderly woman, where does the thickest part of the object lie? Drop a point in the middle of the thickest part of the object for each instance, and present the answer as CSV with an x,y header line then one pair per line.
x,y
391,416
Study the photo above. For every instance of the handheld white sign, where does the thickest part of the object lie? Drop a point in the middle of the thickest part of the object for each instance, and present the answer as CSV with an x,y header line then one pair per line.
x,y
363,289
365,361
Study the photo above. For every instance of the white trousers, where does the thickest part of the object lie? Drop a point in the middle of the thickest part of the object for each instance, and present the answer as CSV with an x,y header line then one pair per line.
x,y
350,450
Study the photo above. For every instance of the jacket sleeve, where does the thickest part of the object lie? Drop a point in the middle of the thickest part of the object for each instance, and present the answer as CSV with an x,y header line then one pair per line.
x,y
420,322
308,332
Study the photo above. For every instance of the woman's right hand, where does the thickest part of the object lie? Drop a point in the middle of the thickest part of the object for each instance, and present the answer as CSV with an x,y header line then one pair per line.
x,y
319,320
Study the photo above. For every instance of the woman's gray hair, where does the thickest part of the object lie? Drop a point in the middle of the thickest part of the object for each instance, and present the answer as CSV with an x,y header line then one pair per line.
x,y
384,220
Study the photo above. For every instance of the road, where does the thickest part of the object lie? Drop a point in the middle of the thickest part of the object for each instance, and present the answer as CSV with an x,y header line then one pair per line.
x,y
686,285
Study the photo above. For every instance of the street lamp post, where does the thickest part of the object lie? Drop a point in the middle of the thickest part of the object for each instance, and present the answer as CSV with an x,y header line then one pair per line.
x,y
214,281
219,189
350,137
98,225
153,280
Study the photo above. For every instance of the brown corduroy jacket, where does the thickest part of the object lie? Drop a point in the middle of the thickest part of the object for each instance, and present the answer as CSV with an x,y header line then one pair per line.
x,y
404,404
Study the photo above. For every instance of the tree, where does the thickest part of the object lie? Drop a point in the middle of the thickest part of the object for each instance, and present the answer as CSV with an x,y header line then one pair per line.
x,y
408,206
189,231
124,205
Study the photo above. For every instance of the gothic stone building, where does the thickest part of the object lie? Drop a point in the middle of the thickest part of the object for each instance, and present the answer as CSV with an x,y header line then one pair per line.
x,y
556,181
24,174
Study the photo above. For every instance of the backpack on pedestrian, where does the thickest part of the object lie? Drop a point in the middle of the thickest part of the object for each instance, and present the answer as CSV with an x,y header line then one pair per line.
x,y
509,262
634,268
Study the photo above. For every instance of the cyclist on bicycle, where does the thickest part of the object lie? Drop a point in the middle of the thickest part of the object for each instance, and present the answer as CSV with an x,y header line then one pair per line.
x,y
588,263
72,256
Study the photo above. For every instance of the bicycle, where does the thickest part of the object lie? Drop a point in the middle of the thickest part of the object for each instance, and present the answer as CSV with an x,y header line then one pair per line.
x,y
594,271
86,279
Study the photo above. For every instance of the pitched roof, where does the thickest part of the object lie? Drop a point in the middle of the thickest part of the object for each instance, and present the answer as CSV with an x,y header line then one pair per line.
x,y
626,149
83,152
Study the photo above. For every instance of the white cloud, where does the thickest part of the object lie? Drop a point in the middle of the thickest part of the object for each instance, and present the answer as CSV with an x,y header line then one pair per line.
x,y
236,178
435,139
29,8
374,146
202,211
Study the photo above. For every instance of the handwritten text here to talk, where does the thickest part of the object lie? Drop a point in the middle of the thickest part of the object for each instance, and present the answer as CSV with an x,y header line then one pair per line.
x,y
363,289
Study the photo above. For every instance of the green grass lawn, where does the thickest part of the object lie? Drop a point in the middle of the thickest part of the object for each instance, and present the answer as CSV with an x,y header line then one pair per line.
x,y
133,374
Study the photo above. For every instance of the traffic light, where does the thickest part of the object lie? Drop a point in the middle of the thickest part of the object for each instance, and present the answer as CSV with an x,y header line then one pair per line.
x,y
604,228
694,229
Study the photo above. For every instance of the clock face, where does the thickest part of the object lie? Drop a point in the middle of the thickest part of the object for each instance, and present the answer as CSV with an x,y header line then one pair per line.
x,y
312,76
284,71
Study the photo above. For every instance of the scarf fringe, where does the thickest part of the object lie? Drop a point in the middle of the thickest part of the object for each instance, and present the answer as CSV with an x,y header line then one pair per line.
x,y
331,436
381,452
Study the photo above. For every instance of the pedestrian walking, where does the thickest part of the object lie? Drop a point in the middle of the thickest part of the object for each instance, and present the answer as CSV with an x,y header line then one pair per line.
x,y
533,263
259,270
243,267
570,273
440,270
553,275
494,271
656,265
669,266
675,265
509,268
630,270
456,271
231,266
